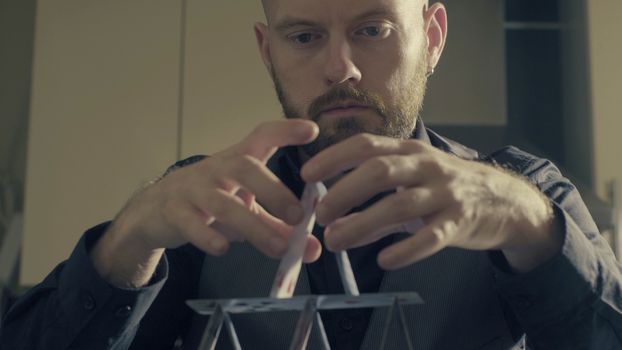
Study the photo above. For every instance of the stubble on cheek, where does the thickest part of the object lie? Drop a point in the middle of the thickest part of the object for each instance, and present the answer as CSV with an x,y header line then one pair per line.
x,y
396,114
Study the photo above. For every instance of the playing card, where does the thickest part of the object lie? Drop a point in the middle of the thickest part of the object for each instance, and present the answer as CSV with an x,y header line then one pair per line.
x,y
289,269
347,275
297,303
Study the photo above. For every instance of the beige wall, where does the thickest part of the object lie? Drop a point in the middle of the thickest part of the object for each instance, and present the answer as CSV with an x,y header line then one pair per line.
x,y
227,90
103,117
605,29
468,86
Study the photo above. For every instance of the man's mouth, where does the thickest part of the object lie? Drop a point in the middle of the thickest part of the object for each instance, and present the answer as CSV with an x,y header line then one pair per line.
x,y
345,108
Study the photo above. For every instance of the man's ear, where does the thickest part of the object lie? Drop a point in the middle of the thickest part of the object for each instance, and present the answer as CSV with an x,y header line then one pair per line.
x,y
263,43
435,25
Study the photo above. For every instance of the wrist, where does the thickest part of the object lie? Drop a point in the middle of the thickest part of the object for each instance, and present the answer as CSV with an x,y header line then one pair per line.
x,y
536,237
123,259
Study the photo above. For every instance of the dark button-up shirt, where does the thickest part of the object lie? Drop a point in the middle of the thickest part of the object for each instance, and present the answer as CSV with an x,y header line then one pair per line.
x,y
574,301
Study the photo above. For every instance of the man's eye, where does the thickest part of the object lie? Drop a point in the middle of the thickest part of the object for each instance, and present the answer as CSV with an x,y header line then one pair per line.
x,y
371,31
375,31
304,38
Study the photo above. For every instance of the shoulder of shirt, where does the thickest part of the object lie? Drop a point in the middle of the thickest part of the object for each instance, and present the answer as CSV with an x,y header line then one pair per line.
x,y
509,157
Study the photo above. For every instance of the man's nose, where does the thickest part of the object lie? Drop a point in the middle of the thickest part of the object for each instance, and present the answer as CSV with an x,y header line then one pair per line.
x,y
340,65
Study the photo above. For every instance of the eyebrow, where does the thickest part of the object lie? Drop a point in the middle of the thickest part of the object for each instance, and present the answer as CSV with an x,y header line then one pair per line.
x,y
291,22
380,11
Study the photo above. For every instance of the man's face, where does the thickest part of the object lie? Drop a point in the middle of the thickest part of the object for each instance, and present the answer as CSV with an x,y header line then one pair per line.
x,y
351,66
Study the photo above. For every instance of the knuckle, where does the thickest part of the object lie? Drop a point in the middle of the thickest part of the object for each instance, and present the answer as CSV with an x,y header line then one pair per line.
x,y
460,194
414,146
452,193
439,235
466,213
402,206
219,250
218,206
366,142
434,165
381,169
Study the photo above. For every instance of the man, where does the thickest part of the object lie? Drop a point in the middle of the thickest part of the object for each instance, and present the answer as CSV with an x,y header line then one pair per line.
x,y
507,248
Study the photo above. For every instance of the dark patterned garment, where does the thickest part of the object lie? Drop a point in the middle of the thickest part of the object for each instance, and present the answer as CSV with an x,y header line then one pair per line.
x,y
574,301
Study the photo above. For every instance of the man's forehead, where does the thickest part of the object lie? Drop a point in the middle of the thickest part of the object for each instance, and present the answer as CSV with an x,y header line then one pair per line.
x,y
278,8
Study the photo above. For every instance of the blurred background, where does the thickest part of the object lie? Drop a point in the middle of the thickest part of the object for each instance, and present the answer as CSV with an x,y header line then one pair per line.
x,y
99,97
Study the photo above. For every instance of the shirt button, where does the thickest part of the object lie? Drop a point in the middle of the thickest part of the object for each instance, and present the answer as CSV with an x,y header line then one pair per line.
x,y
345,324
123,311
88,302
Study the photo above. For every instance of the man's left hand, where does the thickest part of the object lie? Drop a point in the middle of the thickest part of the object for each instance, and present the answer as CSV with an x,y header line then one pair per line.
x,y
462,203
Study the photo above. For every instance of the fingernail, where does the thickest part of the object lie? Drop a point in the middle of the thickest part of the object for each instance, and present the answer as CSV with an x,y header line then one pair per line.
x,y
305,127
277,245
332,243
386,260
334,247
308,170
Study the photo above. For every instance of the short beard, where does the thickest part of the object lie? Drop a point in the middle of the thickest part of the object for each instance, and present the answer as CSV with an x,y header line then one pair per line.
x,y
398,121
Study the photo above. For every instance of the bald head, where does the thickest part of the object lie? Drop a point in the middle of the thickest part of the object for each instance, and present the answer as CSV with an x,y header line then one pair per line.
x,y
268,3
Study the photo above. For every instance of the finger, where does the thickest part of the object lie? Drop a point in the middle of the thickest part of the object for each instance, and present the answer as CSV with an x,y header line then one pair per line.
x,y
412,226
262,142
313,249
231,212
428,241
279,226
275,223
352,152
376,175
247,197
230,234
193,228
254,177
398,208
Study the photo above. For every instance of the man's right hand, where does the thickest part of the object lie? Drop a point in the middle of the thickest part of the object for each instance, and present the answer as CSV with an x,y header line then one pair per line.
x,y
209,204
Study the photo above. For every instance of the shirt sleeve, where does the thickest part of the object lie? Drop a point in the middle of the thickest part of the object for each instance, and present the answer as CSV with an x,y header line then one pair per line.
x,y
74,308
574,300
